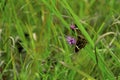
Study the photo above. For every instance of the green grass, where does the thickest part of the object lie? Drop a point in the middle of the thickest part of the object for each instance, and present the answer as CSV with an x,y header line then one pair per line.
x,y
49,56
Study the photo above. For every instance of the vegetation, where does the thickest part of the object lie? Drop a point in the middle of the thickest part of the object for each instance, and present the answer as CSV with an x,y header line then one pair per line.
x,y
33,43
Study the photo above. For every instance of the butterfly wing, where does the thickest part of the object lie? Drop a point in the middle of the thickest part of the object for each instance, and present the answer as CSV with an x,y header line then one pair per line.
x,y
81,42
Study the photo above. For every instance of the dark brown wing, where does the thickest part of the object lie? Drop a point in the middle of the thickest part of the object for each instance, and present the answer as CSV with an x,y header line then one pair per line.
x,y
81,42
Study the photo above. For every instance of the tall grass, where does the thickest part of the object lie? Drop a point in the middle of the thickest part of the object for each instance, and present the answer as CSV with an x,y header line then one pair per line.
x,y
33,42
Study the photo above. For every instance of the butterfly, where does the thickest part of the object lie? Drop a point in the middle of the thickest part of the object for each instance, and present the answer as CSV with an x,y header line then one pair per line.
x,y
81,41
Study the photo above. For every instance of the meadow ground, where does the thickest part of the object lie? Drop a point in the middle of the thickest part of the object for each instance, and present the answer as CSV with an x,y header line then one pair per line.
x,y
39,41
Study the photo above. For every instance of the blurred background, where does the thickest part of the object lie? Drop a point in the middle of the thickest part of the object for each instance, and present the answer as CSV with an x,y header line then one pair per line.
x,y
33,43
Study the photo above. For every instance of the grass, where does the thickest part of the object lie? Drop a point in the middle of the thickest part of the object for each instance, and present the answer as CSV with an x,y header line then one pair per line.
x,y
33,42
